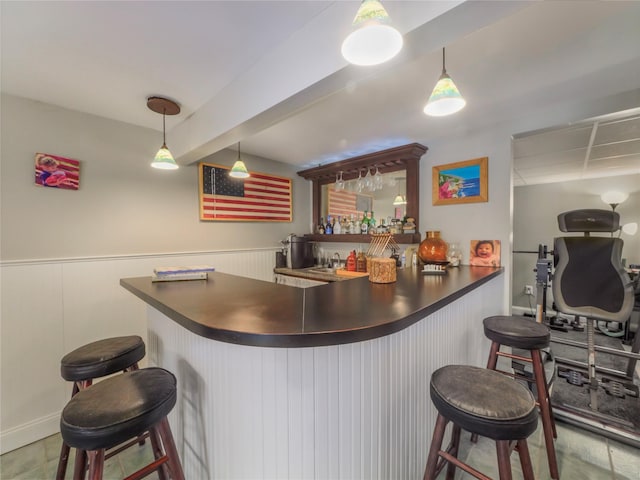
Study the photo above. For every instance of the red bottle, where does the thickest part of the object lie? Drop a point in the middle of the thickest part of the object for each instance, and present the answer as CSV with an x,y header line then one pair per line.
x,y
351,262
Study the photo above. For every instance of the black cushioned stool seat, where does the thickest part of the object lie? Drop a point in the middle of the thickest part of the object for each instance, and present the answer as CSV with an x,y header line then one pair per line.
x,y
118,409
526,334
102,358
484,402
95,360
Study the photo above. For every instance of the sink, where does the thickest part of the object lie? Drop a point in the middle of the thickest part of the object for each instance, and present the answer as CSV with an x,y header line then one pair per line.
x,y
322,270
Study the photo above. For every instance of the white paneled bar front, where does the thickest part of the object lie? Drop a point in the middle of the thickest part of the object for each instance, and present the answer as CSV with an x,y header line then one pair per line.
x,y
354,411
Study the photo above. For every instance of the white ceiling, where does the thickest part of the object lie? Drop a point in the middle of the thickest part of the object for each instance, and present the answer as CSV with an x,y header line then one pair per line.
x,y
602,147
270,73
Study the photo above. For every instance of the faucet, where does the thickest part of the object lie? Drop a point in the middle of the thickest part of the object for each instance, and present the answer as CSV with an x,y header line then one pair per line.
x,y
336,260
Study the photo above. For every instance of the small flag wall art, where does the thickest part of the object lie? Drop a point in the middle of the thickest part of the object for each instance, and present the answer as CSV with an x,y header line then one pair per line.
x,y
259,198
57,172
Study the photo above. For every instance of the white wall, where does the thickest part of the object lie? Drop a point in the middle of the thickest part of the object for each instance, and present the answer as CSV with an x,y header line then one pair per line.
x,y
536,208
488,220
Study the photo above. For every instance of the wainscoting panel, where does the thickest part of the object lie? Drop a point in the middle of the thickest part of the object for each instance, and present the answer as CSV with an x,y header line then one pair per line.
x,y
50,307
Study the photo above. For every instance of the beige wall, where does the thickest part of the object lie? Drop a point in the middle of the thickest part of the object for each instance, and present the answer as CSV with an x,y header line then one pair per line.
x,y
123,206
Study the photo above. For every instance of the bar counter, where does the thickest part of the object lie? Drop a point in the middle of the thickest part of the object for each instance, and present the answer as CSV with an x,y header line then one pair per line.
x,y
328,382
241,310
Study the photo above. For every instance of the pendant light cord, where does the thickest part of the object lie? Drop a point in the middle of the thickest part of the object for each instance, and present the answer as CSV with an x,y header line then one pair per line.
x,y
444,70
164,128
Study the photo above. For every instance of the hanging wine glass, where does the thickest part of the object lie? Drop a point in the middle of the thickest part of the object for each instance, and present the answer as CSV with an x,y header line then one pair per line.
x,y
360,182
368,180
339,182
378,181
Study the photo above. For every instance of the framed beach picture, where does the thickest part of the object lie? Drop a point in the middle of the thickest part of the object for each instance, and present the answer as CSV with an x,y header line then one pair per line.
x,y
460,182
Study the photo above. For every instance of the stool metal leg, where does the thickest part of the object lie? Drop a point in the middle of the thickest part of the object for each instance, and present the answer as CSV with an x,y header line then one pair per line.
x,y
543,399
504,464
544,402
436,444
525,460
96,464
493,356
80,465
453,450
170,450
158,453
64,449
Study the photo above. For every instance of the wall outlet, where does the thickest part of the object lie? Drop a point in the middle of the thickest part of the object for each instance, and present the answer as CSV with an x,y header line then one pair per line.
x,y
528,290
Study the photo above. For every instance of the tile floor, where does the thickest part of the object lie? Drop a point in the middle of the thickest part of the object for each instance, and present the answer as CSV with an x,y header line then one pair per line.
x,y
39,461
582,455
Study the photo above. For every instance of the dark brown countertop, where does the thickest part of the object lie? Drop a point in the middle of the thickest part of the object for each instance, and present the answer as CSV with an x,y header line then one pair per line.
x,y
253,312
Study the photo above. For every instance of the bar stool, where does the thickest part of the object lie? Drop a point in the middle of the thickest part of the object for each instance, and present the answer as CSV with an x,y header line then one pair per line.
x,y
526,334
96,360
117,409
484,402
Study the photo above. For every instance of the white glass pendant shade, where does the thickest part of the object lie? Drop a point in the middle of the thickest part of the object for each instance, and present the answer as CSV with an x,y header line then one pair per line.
x,y
399,200
164,160
373,40
445,98
239,169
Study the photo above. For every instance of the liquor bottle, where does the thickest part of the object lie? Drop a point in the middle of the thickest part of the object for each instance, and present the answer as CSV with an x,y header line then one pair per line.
x,y
361,262
372,223
337,226
328,228
345,224
320,227
364,228
356,226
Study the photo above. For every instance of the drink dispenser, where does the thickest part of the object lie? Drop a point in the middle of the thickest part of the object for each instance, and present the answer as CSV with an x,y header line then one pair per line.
x,y
299,252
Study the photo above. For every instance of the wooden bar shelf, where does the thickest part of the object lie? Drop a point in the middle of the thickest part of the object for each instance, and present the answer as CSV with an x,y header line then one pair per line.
x,y
402,238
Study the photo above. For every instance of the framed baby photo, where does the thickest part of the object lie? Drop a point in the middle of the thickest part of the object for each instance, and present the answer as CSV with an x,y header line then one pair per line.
x,y
57,172
460,182
485,253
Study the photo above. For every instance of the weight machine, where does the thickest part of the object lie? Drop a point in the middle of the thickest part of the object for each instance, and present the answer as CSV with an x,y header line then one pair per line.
x,y
576,297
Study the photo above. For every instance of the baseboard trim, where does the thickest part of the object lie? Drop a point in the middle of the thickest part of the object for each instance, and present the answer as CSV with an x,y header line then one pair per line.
x,y
29,432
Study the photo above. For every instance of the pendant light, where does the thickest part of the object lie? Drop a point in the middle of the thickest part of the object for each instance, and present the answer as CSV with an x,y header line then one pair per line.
x,y
239,170
373,40
163,159
399,200
445,98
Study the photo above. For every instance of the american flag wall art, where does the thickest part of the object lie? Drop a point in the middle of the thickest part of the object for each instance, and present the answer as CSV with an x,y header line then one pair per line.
x,y
259,198
57,172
